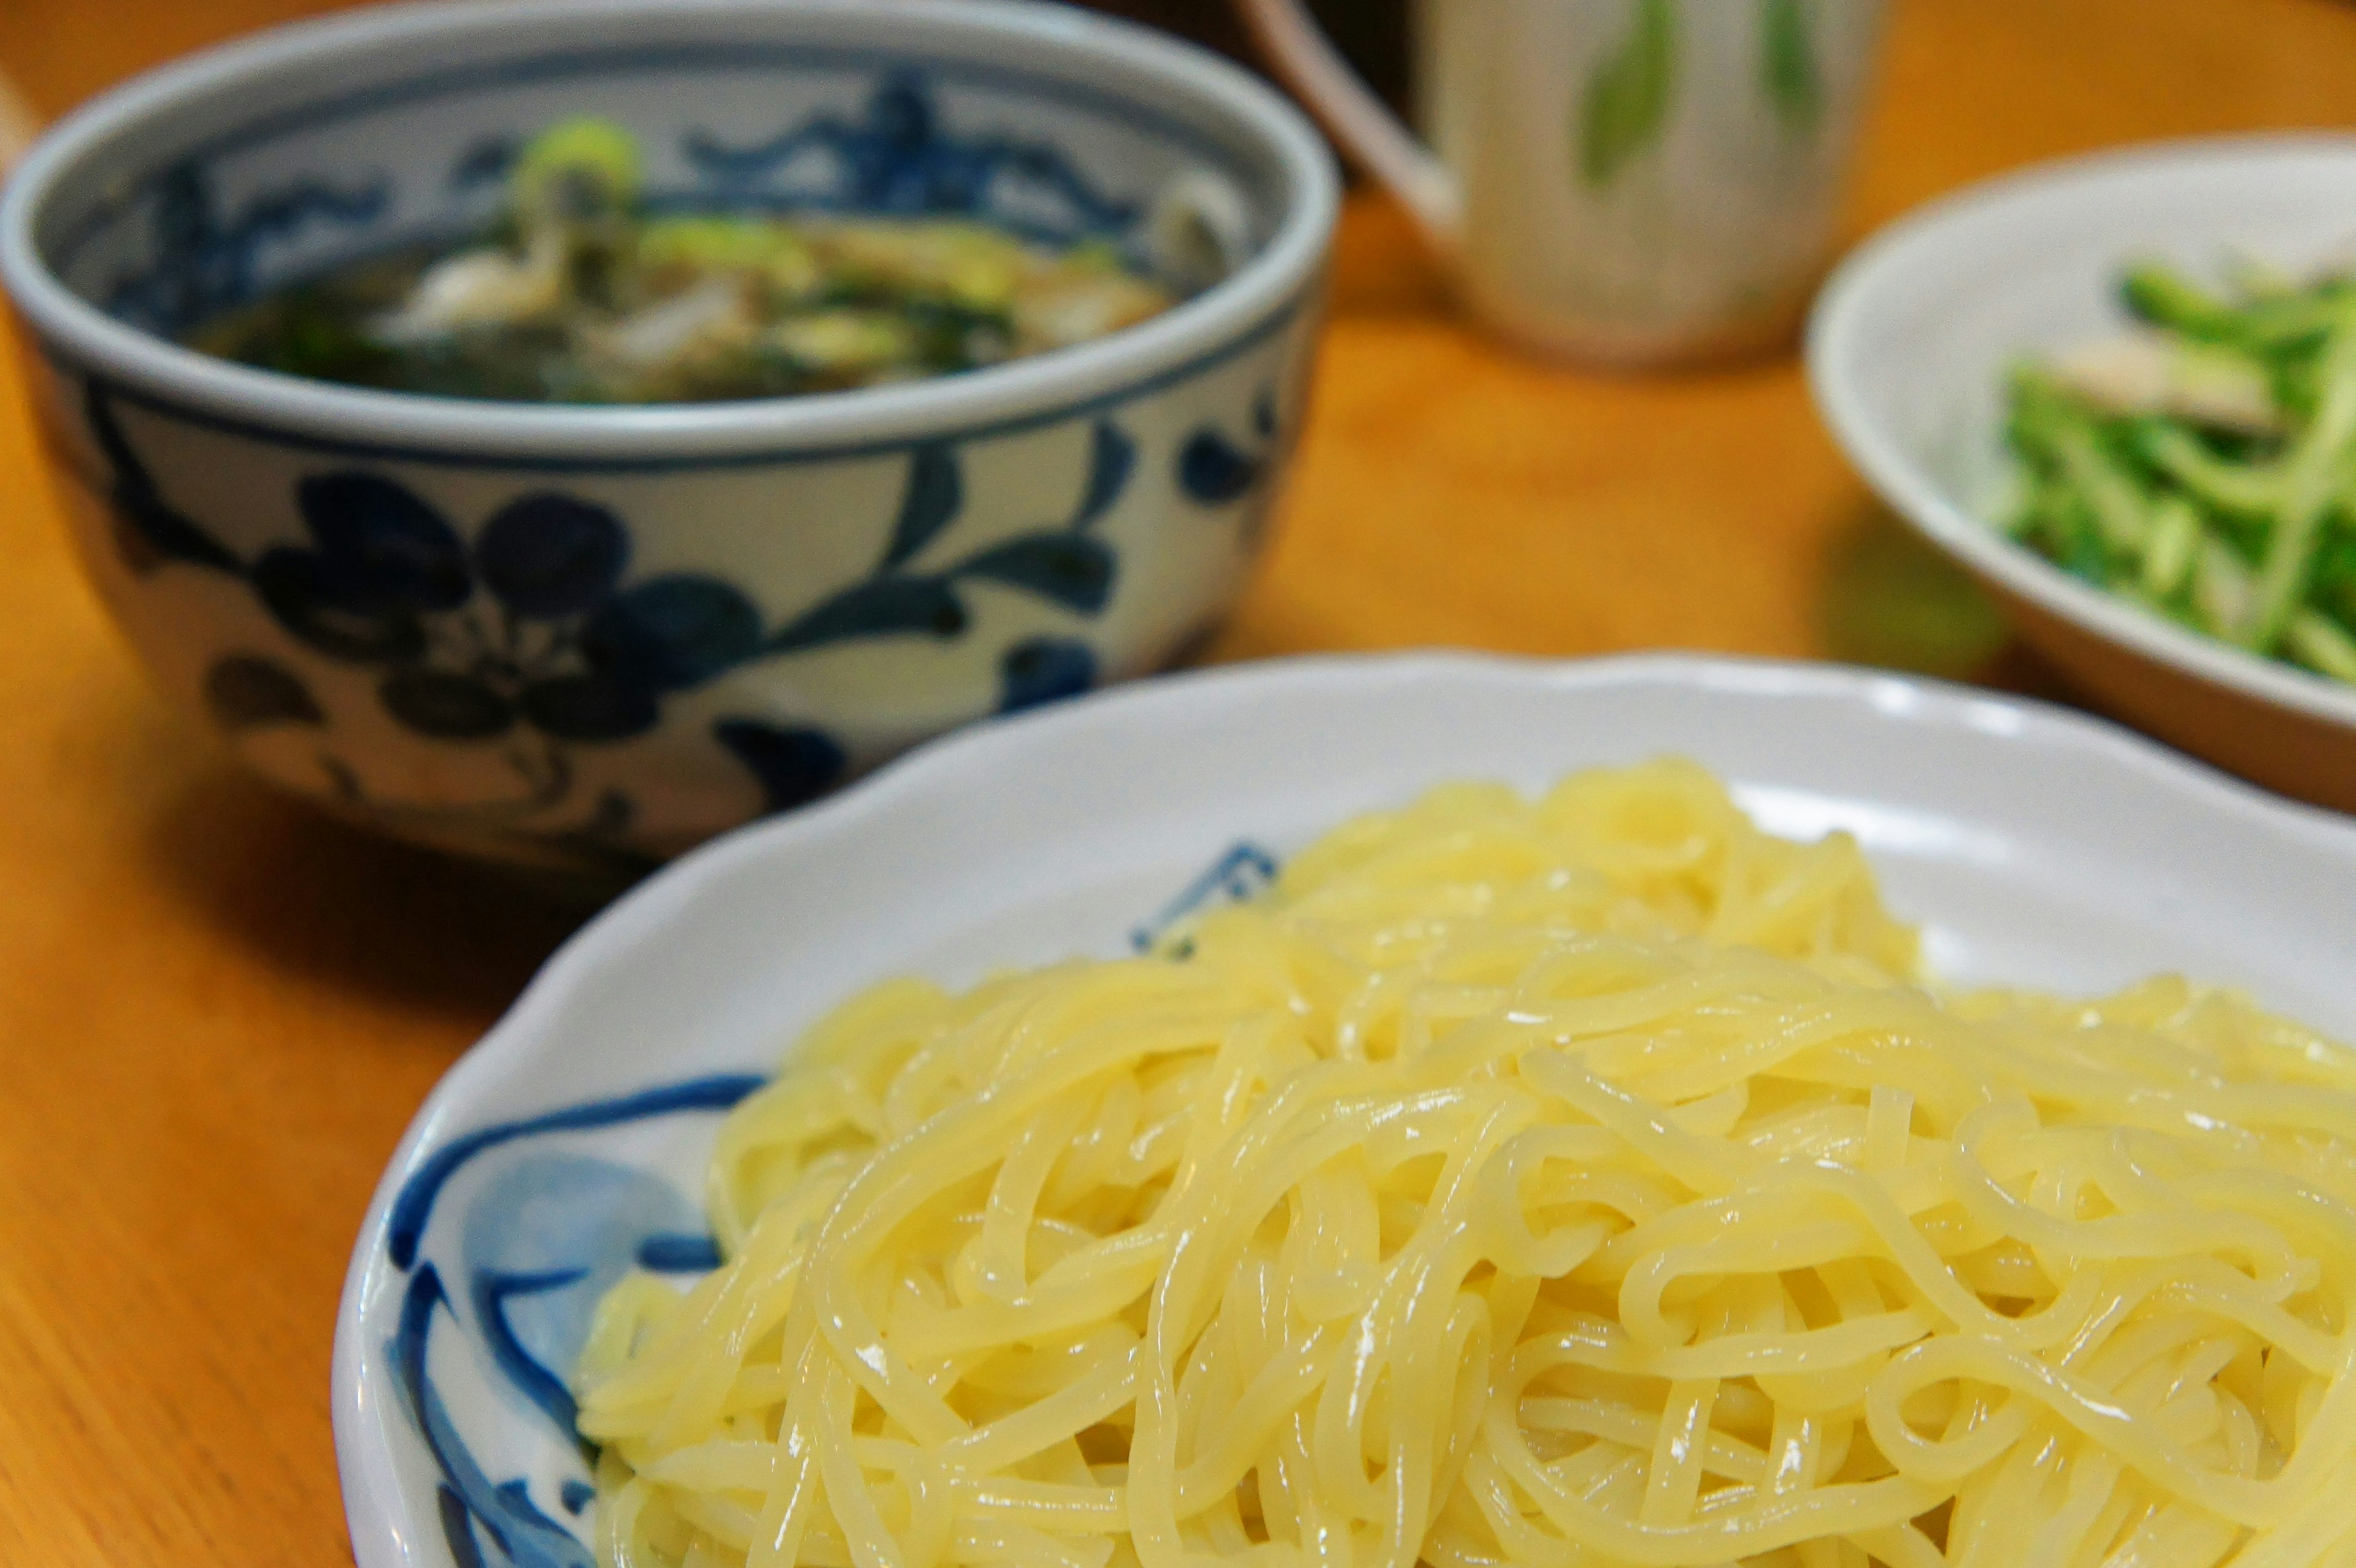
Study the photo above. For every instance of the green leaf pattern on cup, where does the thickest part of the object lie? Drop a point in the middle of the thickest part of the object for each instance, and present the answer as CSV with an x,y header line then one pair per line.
x,y
1625,109
1627,105
1787,60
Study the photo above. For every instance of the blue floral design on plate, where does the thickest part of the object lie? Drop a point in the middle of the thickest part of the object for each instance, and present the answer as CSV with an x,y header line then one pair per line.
x,y
542,1241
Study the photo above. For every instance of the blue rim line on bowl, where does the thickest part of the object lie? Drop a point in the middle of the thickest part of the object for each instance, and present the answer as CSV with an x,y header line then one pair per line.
x,y
1833,327
1277,321
73,329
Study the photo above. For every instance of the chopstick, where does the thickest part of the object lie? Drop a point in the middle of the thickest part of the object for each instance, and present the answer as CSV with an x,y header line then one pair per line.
x,y
18,123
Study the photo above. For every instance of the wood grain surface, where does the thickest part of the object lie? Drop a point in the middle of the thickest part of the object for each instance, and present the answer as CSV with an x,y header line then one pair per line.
x,y
218,1010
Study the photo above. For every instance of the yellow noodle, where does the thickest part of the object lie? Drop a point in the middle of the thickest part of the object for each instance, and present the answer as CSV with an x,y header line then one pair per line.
x,y
1571,1183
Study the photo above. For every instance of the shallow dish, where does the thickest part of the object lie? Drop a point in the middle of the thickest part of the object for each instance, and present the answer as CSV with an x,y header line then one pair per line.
x,y
555,632
2036,846
1907,354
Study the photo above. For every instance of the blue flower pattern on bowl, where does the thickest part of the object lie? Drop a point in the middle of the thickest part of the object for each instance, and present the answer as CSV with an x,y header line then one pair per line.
x,y
518,628
543,1238
898,159
532,629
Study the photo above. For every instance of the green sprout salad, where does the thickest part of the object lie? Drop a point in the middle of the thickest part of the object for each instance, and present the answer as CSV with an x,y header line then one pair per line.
x,y
580,294
2204,464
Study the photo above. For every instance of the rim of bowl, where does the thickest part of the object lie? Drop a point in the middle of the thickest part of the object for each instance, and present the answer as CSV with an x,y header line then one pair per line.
x,y
1274,280
1833,329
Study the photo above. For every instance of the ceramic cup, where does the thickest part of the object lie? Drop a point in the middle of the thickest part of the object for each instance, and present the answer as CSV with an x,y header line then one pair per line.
x,y
1625,181
587,632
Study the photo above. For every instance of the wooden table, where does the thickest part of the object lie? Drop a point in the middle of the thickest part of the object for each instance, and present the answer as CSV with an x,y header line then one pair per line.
x,y
217,1010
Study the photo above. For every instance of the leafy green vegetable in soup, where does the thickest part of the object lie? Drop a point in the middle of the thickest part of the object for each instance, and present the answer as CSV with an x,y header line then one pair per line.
x,y
2204,464
580,294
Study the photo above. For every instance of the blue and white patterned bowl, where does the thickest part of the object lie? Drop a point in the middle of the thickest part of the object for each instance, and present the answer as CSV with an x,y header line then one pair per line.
x,y
2038,847
577,633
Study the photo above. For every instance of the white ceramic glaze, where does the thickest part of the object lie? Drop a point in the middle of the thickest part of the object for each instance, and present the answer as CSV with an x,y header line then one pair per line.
x,y
1629,181
2036,846
577,632
1908,352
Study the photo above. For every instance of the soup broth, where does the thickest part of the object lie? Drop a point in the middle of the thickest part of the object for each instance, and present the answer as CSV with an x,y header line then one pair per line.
x,y
580,294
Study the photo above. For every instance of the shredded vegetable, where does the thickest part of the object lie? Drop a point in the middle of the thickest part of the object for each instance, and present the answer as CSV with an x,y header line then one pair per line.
x,y
2203,465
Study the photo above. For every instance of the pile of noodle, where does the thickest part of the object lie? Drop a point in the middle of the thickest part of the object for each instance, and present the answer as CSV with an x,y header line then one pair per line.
x,y
1576,1183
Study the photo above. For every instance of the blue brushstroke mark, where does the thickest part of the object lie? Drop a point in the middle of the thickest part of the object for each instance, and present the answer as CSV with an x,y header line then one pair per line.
x,y
1243,872
488,162
1213,471
139,507
1074,571
458,1527
575,1496
1112,458
898,158
542,1242
529,1538
1065,565
204,259
671,632
793,766
678,1254
535,1381
885,606
1043,669
414,1206
934,497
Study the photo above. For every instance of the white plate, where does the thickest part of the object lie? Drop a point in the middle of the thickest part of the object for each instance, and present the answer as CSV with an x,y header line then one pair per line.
x,y
2036,846
1908,351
